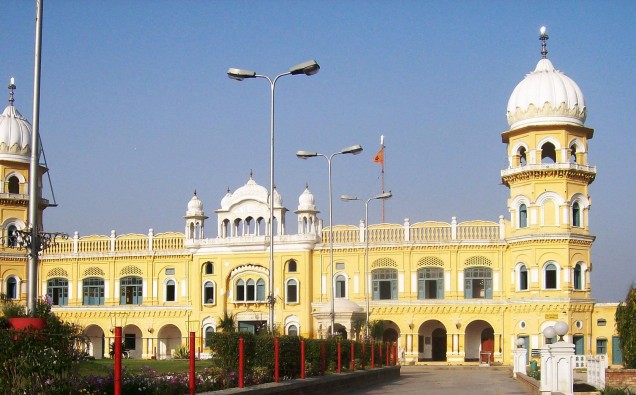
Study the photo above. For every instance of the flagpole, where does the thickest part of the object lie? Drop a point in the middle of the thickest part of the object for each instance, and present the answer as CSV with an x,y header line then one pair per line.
x,y
382,148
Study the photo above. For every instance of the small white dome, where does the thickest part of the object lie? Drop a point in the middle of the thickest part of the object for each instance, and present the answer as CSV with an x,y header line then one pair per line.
x,y
226,202
546,96
15,134
306,201
195,206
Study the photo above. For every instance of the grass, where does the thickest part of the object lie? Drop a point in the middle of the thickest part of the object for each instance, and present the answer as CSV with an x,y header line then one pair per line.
x,y
102,367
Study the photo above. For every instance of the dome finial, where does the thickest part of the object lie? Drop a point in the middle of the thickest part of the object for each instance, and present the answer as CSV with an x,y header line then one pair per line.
x,y
544,37
251,174
11,89
195,192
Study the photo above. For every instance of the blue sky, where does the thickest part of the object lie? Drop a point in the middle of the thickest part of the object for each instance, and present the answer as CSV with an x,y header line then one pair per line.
x,y
137,111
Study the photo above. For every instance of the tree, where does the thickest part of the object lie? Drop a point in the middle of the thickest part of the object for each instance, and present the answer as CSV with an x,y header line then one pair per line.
x,y
626,327
227,323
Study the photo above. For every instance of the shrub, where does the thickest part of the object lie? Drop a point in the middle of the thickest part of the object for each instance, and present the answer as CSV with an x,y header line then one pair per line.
x,y
626,327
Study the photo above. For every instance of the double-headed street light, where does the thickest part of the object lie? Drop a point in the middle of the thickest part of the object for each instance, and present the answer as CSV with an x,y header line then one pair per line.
x,y
354,150
308,68
382,196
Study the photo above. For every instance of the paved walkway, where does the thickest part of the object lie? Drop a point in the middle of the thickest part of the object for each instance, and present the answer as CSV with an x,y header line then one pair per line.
x,y
447,380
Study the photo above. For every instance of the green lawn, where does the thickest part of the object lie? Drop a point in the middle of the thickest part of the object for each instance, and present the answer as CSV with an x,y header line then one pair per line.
x,y
102,367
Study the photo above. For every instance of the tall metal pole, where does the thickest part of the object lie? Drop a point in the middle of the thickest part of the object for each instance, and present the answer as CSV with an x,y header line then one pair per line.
x,y
332,310
366,257
34,192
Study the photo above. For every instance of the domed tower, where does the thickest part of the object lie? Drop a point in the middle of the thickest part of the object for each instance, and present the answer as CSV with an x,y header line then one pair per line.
x,y
195,219
548,176
308,222
15,156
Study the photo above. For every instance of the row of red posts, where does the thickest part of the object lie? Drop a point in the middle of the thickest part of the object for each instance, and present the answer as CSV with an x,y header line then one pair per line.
x,y
390,355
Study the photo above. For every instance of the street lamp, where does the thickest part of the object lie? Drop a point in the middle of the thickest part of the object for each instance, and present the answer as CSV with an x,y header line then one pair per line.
x,y
354,150
382,196
308,68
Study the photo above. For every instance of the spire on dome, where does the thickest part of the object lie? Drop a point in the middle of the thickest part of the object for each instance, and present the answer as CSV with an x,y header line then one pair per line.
x,y
544,38
11,89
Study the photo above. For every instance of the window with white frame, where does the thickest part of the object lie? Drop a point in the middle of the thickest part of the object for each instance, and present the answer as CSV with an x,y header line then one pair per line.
x,y
250,290
341,286
209,330
12,288
209,268
131,288
523,216
384,284
578,277
93,291
292,330
576,214
523,278
292,266
292,291
550,276
57,289
208,292
171,291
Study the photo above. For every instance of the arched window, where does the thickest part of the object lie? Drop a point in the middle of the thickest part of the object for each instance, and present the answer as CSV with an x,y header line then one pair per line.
x,y
292,330
548,153
57,289
208,334
171,292
523,278
384,284
523,216
130,290
240,291
550,276
578,277
250,291
478,283
573,153
341,286
576,214
430,283
12,236
260,290
291,266
292,291
14,184
522,156
208,292
12,288
93,291
209,268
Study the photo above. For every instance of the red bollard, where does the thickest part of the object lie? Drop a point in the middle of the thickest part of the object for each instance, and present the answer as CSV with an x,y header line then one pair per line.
x,y
373,355
276,361
322,358
339,359
388,357
353,361
395,356
117,355
380,348
193,384
363,355
302,359
241,362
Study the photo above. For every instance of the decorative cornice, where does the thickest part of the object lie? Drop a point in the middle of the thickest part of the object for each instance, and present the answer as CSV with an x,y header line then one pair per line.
x,y
543,174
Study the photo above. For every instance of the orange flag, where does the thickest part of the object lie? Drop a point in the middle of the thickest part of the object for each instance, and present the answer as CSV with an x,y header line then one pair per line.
x,y
379,157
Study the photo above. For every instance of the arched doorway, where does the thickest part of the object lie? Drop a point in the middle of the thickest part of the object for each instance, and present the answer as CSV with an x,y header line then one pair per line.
x,y
168,339
431,341
439,344
389,335
479,338
96,342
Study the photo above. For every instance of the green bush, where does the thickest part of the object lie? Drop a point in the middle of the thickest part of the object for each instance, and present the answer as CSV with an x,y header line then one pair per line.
x,y
617,391
626,328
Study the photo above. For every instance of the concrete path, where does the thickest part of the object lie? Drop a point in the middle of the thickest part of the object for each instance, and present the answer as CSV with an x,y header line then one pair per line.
x,y
447,380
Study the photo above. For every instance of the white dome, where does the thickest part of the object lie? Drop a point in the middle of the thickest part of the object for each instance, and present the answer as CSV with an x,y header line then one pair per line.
x,y
251,190
546,96
306,201
195,206
15,134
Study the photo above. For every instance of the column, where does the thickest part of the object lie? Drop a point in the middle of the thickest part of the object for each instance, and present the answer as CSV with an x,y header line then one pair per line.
x,y
519,358
562,367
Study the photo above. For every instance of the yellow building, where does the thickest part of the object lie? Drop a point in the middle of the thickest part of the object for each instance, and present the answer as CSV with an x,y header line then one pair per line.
x,y
454,292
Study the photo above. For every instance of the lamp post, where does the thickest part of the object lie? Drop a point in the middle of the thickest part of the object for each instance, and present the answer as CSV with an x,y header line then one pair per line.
x,y
354,150
382,196
308,68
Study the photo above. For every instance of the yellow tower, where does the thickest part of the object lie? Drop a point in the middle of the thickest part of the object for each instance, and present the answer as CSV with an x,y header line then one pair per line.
x,y
15,156
548,175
